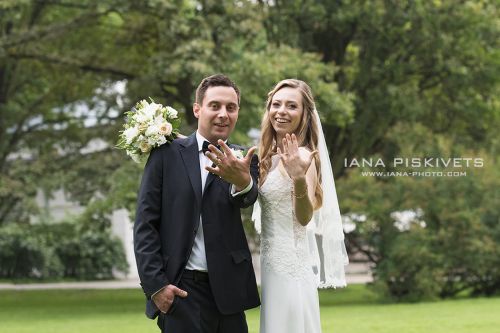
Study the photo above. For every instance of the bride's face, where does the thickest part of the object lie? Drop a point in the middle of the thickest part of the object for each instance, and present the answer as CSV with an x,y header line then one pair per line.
x,y
285,111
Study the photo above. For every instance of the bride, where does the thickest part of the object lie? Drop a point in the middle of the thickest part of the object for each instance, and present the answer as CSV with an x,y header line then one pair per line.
x,y
302,242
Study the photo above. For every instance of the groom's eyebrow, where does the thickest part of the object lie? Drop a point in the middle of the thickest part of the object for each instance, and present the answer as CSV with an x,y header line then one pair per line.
x,y
213,101
221,102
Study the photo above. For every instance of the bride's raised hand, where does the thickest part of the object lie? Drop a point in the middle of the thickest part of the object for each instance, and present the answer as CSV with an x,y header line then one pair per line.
x,y
295,162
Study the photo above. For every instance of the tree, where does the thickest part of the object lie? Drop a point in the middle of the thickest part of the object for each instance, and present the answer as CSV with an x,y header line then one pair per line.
x,y
75,67
391,78
422,62
427,236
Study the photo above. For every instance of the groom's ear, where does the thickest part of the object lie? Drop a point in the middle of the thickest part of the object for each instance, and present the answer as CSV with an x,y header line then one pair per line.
x,y
196,110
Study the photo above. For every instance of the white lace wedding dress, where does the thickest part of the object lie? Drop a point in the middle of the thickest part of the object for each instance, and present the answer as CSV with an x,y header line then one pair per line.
x,y
289,288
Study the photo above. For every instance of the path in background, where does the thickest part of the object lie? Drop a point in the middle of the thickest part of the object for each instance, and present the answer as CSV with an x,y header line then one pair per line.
x,y
357,273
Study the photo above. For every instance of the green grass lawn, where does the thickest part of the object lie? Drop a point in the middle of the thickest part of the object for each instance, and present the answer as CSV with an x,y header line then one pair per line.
x,y
354,309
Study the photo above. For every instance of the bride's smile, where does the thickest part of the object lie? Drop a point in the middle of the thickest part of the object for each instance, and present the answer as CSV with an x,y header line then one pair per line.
x,y
285,111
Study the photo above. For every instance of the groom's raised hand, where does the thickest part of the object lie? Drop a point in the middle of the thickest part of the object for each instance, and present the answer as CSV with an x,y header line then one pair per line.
x,y
230,168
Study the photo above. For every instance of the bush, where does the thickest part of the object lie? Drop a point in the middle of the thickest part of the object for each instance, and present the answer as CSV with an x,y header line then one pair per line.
x,y
93,255
411,270
450,248
25,254
47,251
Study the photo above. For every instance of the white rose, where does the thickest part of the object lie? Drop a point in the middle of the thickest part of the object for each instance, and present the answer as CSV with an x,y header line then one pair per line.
x,y
152,140
171,112
158,120
161,140
145,147
140,117
152,130
165,128
130,134
150,110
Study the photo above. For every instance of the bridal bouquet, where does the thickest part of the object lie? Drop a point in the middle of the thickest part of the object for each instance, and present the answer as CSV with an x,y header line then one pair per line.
x,y
147,126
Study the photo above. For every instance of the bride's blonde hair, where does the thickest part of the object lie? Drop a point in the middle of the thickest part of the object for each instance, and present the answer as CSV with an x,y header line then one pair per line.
x,y
307,133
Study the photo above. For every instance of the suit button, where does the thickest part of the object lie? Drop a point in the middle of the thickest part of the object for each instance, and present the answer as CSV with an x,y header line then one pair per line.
x,y
194,231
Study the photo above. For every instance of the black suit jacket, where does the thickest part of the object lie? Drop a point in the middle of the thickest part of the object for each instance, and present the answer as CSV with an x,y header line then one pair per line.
x,y
168,213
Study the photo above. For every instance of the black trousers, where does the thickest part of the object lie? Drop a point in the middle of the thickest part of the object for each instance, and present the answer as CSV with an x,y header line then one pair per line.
x,y
198,313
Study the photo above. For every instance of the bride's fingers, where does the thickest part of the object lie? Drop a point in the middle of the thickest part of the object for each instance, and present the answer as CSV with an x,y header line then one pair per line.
x,y
294,144
285,146
281,155
290,147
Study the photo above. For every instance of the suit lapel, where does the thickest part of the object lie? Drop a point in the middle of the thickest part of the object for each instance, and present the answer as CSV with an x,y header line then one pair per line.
x,y
190,157
210,179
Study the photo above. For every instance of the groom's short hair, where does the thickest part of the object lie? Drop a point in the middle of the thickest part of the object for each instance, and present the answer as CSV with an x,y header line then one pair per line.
x,y
216,80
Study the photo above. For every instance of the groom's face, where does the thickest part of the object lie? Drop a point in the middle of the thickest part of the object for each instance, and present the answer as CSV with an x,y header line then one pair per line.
x,y
217,113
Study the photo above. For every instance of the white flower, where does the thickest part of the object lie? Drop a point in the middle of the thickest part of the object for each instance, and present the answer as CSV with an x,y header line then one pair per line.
x,y
165,128
237,153
152,130
161,140
137,144
142,104
140,117
152,140
158,120
135,157
150,110
148,125
130,134
171,112
145,147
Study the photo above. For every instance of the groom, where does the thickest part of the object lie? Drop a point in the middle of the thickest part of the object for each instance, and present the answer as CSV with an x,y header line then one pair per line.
x,y
192,254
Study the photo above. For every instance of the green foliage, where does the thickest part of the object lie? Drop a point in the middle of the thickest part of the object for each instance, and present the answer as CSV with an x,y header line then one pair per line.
x,y
410,270
258,72
90,255
26,253
391,78
433,63
448,248
62,250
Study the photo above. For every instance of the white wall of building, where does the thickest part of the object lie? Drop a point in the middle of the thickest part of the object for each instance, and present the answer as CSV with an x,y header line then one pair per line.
x,y
58,207
123,228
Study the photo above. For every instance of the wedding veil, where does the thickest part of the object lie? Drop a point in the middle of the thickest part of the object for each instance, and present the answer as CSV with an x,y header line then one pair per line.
x,y
324,232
